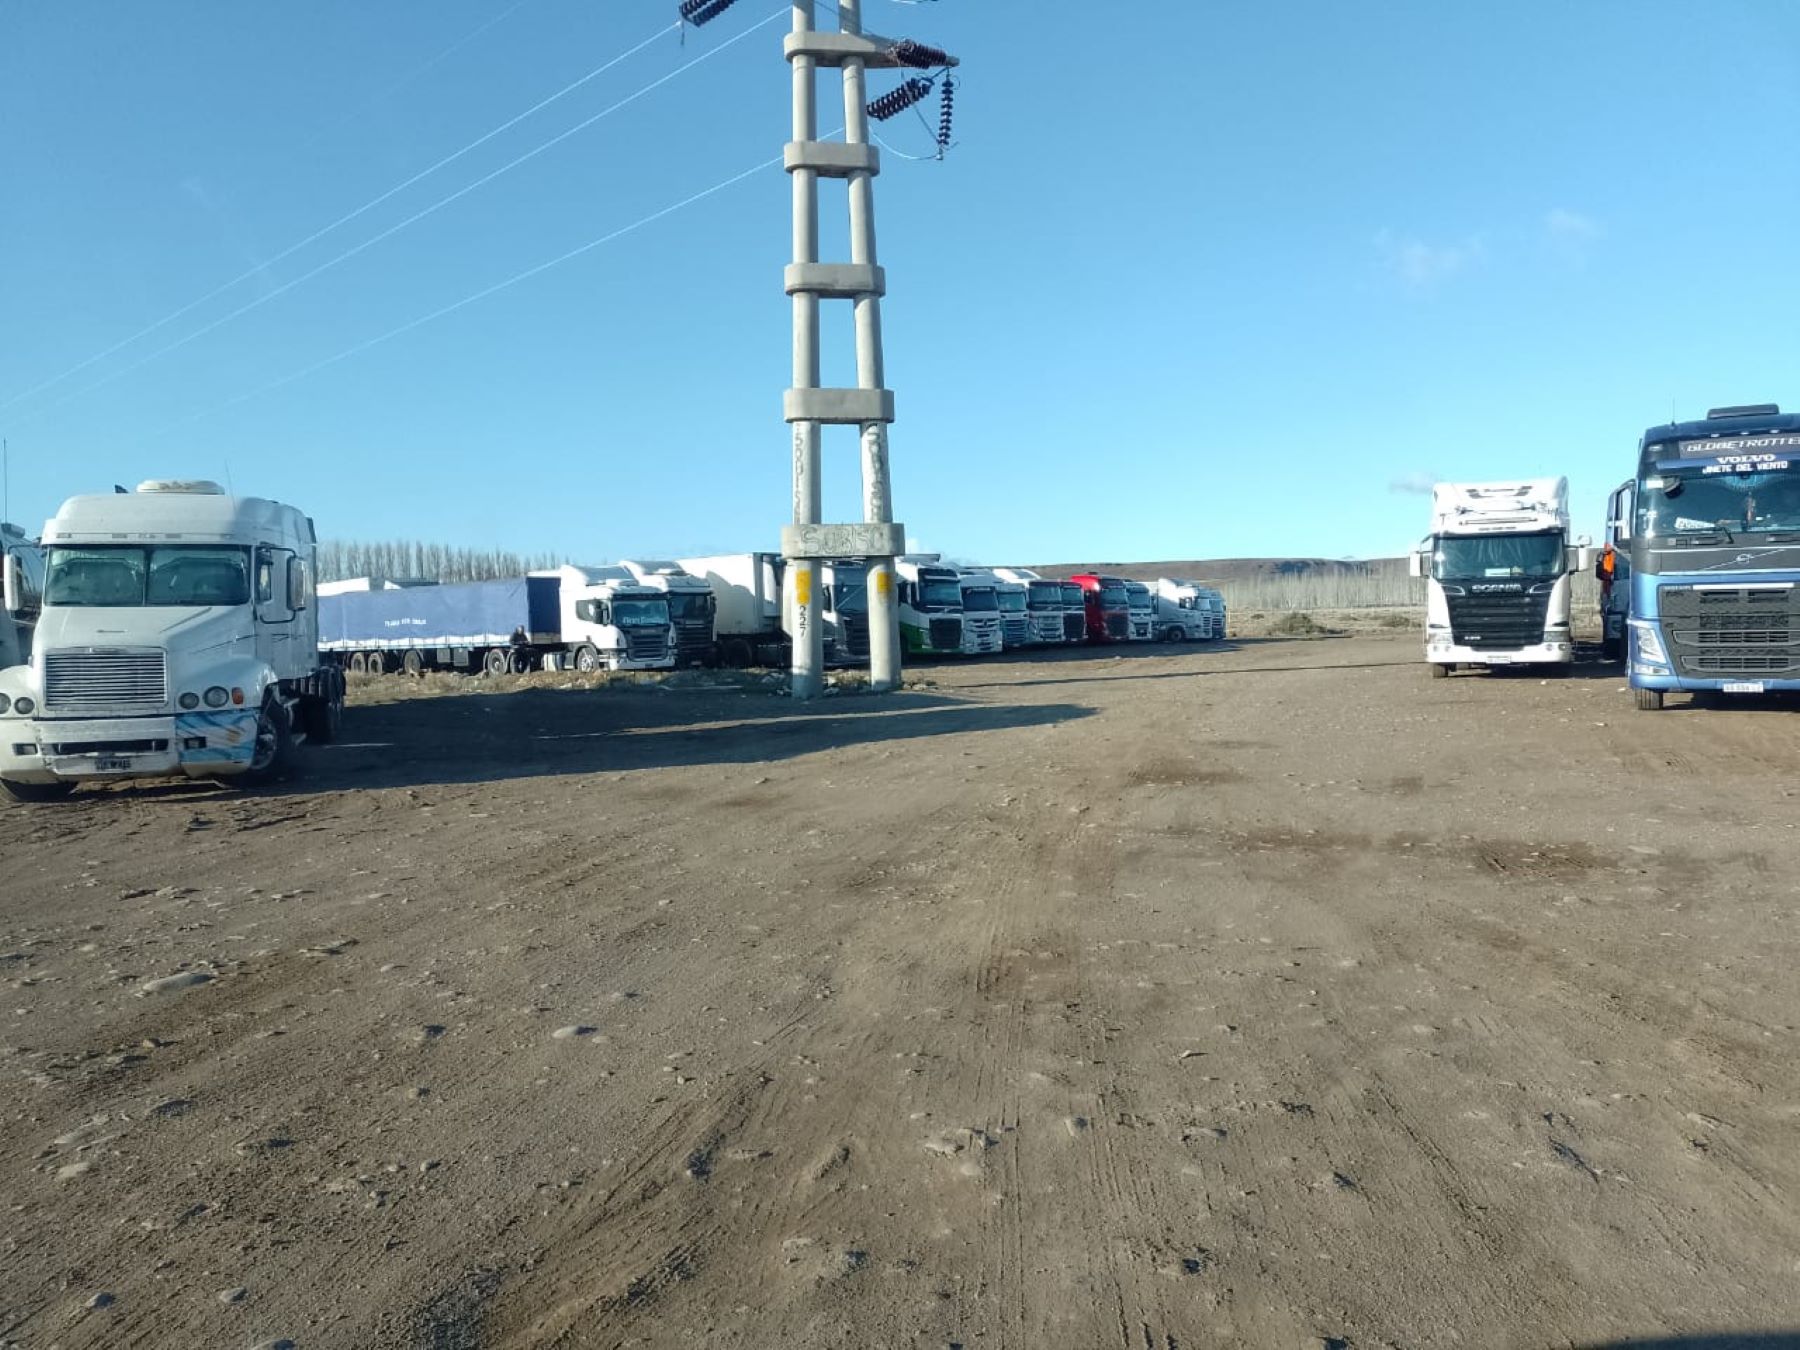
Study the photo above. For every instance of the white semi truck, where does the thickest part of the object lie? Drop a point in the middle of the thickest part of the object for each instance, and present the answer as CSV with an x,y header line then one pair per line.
x,y
691,606
982,634
24,563
1182,611
1143,611
178,635
1043,605
1498,563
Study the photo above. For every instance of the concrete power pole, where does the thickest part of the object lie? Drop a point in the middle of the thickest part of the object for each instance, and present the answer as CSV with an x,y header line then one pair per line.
x,y
808,408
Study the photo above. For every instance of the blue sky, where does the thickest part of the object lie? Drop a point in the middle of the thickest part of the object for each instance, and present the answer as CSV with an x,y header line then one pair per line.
x,y
1198,280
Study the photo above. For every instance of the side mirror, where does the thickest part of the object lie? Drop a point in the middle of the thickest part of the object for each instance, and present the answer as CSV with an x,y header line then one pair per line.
x,y
1581,558
15,584
1620,530
297,589
1415,563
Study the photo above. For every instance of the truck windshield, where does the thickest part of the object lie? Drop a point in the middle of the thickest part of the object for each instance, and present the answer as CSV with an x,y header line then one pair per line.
x,y
121,576
1073,598
848,593
640,613
1113,597
690,605
1139,599
940,593
1498,555
1013,602
1692,501
980,600
1044,595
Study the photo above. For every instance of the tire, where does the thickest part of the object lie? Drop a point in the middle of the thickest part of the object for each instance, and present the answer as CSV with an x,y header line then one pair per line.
x,y
359,664
1611,650
495,661
587,658
274,752
1647,700
517,663
1439,671
737,654
36,792
413,663
323,718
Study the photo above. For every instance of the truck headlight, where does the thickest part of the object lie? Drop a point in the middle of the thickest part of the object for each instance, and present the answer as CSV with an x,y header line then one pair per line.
x,y
189,701
217,697
5,703
24,706
1649,642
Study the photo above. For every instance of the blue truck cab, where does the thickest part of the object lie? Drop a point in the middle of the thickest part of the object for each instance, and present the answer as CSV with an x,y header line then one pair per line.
x,y
1713,527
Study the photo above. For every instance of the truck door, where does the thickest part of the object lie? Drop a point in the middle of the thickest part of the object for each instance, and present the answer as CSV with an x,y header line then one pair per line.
x,y
275,626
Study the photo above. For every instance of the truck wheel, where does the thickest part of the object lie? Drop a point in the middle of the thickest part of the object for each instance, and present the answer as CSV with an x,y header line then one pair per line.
x,y
413,663
517,663
737,654
1610,649
587,658
35,792
274,747
323,718
1647,700
359,664
494,661
1439,671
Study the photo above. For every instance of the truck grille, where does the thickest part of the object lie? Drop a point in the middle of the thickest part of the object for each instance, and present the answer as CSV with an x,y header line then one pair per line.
x,y
646,644
693,637
946,635
1074,627
1118,625
1737,631
1017,631
856,635
1502,622
105,681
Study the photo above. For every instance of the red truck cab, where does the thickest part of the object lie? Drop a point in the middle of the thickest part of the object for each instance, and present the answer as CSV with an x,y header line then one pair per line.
x,y
1108,607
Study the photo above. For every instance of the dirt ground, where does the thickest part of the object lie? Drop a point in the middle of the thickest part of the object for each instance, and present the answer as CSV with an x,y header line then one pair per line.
x,y
1274,996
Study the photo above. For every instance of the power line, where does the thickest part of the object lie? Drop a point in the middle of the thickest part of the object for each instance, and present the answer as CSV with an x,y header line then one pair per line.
x,y
345,219
481,294
392,230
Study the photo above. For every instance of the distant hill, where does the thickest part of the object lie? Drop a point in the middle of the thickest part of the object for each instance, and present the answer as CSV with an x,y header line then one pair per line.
x,y
1227,571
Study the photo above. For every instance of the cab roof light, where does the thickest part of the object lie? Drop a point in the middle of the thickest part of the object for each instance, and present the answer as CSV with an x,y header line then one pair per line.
x,y
1744,410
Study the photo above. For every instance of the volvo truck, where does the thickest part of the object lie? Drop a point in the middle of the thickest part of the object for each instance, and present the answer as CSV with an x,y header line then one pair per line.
x,y
982,633
1074,600
691,606
1498,563
24,564
178,634
1107,607
931,606
1044,606
1142,610
1713,529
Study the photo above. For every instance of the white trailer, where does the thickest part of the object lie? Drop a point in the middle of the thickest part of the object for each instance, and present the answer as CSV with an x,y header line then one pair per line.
x,y
24,564
1498,562
750,626
178,635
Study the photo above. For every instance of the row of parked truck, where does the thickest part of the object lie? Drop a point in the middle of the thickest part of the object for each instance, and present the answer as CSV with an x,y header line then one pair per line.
x,y
179,629
1699,575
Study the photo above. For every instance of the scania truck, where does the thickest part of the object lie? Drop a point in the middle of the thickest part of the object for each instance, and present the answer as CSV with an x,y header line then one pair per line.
x,y
1713,529
178,635
931,606
24,564
1043,605
691,606
1498,563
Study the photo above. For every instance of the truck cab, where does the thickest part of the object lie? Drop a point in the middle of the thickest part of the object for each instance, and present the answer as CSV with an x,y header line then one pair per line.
x,y
1015,616
1074,608
1043,605
1142,610
691,605
845,611
1498,563
1107,607
178,634
24,564
611,621
1613,571
983,631
1182,612
931,606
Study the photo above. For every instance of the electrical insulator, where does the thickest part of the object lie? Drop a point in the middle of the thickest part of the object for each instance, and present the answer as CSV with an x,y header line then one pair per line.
x,y
946,110
899,100
918,55
699,12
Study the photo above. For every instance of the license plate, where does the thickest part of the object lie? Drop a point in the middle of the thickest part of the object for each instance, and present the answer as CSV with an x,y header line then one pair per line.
x,y
111,764
1499,660
1744,687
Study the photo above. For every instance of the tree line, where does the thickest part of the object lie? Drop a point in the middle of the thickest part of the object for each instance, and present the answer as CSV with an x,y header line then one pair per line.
x,y
416,560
